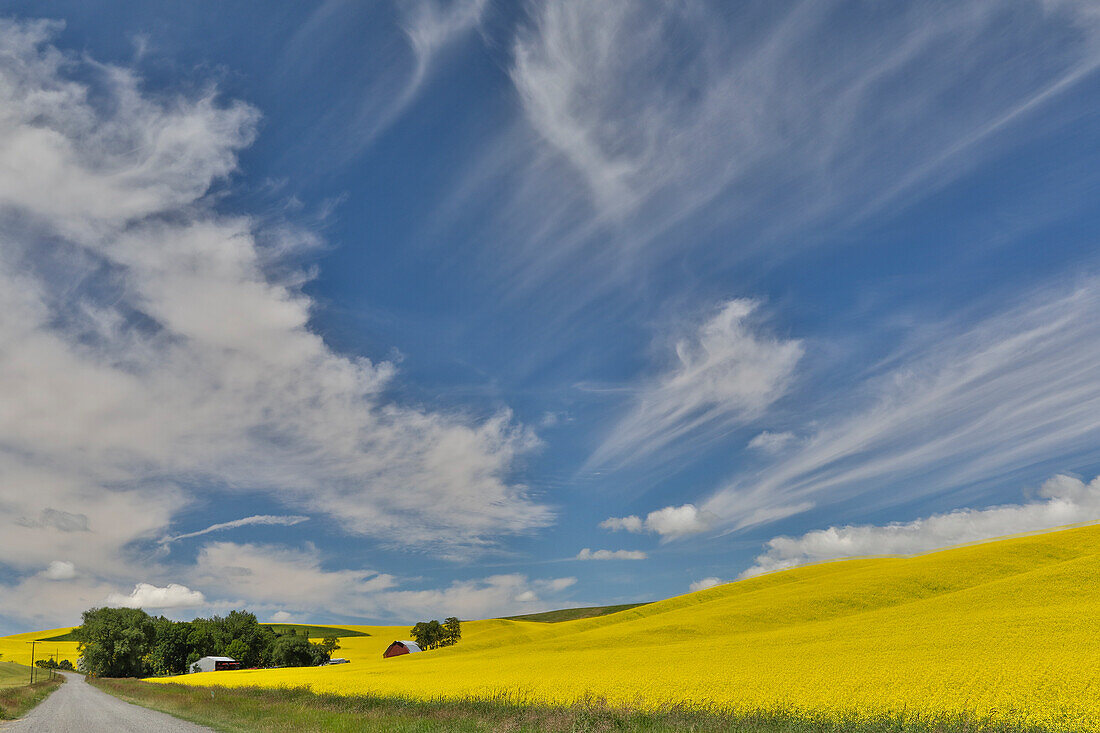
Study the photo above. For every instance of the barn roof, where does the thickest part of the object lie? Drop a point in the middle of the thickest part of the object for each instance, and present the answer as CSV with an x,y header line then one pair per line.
x,y
220,659
411,645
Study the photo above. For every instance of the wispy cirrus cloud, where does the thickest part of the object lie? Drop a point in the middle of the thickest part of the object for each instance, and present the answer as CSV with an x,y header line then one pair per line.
x,y
256,519
725,372
667,105
389,70
961,406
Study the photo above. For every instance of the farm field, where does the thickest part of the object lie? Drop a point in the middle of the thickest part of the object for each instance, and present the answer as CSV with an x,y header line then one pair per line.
x,y
1004,632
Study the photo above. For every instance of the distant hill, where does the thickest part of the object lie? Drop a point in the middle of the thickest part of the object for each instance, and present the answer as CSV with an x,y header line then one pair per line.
x,y
572,614
314,632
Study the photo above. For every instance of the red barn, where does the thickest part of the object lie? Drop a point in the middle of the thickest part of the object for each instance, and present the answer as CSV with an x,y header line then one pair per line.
x,y
398,648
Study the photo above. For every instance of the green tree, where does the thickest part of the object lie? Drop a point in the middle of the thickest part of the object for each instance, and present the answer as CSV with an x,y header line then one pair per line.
x,y
330,644
65,664
171,648
428,634
115,641
452,631
292,650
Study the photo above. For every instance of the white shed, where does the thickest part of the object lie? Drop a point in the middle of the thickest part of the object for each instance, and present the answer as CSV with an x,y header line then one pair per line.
x,y
215,664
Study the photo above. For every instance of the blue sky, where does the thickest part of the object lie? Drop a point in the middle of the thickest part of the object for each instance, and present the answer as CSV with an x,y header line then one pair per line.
x,y
352,311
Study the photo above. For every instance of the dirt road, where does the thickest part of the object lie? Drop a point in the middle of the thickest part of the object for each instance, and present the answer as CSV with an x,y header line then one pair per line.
x,y
77,706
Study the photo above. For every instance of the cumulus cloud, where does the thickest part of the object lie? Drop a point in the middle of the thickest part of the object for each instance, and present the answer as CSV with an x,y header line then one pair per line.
x,y
59,570
282,617
1064,500
185,353
769,442
257,519
588,554
146,595
725,373
497,595
705,583
150,345
272,575
670,522
957,407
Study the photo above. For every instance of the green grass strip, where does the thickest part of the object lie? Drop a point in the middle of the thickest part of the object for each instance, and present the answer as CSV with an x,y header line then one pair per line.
x,y
16,701
264,710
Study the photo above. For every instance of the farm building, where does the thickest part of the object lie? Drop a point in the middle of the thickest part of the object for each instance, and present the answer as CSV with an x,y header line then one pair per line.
x,y
338,660
398,648
215,664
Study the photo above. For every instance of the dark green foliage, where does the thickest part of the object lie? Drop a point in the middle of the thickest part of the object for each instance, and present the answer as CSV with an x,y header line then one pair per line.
x,y
452,631
66,665
115,641
296,651
171,650
330,644
124,642
432,634
46,663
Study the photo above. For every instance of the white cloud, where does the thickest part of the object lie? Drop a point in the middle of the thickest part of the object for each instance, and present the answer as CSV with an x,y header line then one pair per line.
x,y
588,554
149,343
669,522
257,519
497,595
661,107
704,584
772,442
632,523
145,595
432,26
270,575
59,570
282,617
725,373
1065,500
1008,398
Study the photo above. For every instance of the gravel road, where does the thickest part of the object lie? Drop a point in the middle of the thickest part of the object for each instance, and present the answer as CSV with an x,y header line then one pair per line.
x,y
77,706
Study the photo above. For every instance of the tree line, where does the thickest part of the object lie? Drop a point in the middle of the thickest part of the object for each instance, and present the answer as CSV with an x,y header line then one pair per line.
x,y
432,634
128,642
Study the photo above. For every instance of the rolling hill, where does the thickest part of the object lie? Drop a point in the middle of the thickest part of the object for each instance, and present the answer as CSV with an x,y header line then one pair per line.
x,y
1005,631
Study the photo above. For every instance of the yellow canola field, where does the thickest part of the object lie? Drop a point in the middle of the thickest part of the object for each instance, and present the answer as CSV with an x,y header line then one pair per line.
x,y
17,648
1008,631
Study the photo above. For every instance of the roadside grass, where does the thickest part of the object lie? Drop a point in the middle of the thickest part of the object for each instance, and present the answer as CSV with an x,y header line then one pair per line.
x,y
17,696
13,675
572,614
266,710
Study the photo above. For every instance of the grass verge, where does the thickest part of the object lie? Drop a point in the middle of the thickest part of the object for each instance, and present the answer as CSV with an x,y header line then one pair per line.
x,y
263,710
16,701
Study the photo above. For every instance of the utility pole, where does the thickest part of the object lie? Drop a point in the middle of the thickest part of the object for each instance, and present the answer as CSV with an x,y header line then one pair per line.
x,y
32,661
